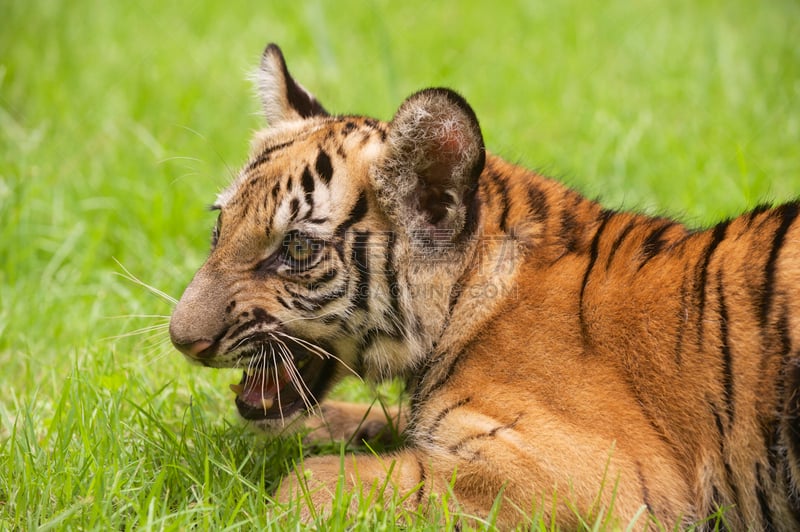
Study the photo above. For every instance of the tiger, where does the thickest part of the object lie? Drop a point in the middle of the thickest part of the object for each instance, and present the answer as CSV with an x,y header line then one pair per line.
x,y
558,355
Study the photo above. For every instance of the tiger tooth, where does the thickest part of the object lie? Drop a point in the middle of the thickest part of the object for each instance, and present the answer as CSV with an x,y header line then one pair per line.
x,y
266,404
237,388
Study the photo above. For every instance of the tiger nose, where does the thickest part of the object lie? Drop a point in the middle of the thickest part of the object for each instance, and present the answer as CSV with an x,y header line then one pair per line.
x,y
194,350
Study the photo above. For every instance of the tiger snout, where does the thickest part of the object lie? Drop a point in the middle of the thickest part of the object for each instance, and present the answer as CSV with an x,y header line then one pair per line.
x,y
197,321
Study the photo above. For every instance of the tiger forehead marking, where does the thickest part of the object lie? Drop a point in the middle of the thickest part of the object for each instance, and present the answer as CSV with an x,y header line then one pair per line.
x,y
287,150
551,347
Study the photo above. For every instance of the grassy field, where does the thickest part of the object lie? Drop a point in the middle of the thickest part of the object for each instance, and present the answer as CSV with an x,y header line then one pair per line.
x,y
119,122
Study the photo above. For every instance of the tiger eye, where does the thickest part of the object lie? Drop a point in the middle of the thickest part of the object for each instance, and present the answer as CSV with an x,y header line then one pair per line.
x,y
299,248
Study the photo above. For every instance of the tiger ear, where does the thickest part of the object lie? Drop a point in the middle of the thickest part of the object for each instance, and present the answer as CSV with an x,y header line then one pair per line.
x,y
281,96
428,175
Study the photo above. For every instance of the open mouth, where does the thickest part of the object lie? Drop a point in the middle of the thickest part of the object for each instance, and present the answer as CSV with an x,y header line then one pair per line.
x,y
276,386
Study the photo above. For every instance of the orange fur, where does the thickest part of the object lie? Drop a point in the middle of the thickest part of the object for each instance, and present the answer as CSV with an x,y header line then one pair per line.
x,y
551,347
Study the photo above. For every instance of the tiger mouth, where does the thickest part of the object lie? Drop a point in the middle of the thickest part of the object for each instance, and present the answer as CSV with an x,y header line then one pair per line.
x,y
277,388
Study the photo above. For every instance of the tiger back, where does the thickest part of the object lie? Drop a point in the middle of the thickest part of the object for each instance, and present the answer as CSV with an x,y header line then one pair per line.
x,y
559,355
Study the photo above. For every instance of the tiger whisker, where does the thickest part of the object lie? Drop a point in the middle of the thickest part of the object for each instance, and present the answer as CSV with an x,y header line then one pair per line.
x,y
240,342
138,316
287,361
220,158
294,375
278,389
296,381
180,158
261,360
152,289
251,362
161,327
317,350
159,350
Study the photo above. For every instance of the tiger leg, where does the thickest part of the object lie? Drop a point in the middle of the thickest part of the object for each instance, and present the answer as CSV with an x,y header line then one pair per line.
x,y
356,423
522,484
376,478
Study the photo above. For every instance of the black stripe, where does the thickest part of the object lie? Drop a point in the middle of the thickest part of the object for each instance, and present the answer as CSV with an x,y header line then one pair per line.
x,y
792,406
260,317
502,195
537,200
653,244
716,498
771,427
454,448
360,265
455,296
766,512
307,182
473,205
302,304
605,216
284,303
617,241
727,466
727,360
294,209
359,367
316,303
794,498
645,490
784,333
770,434
717,236
753,214
370,337
374,125
323,167
717,524
422,479
265,154
787,213
720,427
327,276
348,128
423,394
338,247
391,276
434,426
357,214
683,318
568,233
327,319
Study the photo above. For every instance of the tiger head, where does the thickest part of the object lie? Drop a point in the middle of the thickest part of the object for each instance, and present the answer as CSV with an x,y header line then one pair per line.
x,y
337,247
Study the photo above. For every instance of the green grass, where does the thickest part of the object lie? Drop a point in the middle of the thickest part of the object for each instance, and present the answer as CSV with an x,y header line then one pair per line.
x,y
119,122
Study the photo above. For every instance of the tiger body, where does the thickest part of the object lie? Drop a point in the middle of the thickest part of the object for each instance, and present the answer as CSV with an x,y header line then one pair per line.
x,y
559,355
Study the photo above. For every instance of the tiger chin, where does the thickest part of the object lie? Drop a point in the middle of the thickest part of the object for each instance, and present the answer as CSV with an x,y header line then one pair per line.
x,y
560,357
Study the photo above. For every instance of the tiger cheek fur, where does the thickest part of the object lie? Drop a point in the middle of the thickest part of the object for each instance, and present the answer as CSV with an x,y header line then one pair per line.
x,y
559,355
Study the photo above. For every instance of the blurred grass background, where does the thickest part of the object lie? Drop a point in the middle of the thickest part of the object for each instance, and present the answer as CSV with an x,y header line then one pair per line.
x,y
119,122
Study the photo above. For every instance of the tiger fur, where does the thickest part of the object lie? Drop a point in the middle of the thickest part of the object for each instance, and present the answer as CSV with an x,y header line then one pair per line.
x,y
559,355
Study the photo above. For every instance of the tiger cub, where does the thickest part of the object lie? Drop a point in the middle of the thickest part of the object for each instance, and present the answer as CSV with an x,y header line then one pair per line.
x,y
560,356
